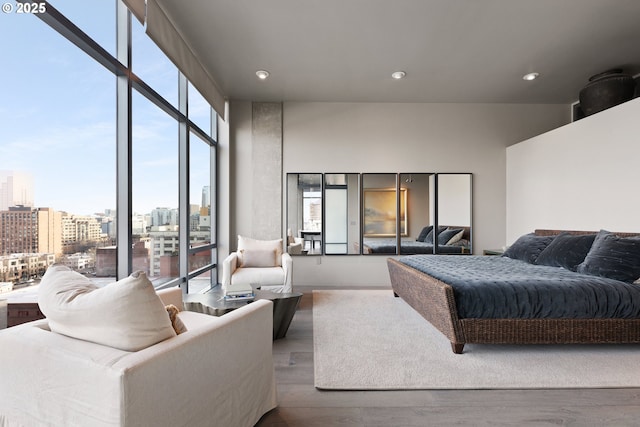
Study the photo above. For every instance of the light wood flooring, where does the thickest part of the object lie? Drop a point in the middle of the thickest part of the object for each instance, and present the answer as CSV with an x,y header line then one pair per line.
x,y
300,404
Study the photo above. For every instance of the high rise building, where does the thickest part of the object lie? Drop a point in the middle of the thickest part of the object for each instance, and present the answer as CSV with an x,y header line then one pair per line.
x,y
206,197
16,189
139,224
80,228
164,216
27,230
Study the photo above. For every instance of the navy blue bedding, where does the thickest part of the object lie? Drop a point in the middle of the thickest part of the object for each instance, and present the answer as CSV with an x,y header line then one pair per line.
x,y
407,246
494,287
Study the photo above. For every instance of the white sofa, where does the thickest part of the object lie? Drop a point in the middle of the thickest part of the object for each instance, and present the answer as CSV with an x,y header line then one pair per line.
x,y
218,373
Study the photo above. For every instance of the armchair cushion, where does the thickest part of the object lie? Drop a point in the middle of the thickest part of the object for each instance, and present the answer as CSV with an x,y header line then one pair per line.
x,y
257,276
127,314
258,258
295,249
247,243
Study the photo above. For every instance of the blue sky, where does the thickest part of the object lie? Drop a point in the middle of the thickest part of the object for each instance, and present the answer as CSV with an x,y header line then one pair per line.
x,y
57,115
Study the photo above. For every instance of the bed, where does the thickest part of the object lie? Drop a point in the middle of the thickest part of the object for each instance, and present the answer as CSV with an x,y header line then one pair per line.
x,y
579,294
387,245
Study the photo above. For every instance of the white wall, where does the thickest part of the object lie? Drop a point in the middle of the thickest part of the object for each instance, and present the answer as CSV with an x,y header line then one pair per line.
x,y
409,138
582,176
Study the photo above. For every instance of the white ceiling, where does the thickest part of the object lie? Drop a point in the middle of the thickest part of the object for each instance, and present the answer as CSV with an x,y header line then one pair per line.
x,y
452,50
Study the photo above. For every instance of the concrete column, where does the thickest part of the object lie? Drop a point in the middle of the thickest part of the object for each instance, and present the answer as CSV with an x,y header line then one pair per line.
x,y
266,165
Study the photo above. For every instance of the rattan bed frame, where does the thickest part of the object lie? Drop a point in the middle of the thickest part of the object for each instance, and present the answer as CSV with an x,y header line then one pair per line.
x,y
435,301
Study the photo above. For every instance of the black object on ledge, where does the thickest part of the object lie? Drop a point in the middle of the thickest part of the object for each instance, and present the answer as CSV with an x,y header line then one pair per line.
x,y
606,90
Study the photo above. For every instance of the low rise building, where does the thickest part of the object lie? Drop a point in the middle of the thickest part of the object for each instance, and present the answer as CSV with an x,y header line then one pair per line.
x,y
16,268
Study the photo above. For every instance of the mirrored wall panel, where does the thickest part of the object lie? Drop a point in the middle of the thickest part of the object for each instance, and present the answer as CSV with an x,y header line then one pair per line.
x,y
304,213
381,206
341,213
379,213
454,213
420,211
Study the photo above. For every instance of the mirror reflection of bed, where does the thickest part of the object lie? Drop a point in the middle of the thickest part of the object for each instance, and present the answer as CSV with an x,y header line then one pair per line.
x,y
451,240
378,213
425,199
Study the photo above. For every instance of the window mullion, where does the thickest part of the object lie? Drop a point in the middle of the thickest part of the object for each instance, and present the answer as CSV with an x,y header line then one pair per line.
x,y
124,252
183,183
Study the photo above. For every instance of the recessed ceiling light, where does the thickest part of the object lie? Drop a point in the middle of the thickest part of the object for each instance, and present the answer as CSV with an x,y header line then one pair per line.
x,y
530,76
398,75
262,74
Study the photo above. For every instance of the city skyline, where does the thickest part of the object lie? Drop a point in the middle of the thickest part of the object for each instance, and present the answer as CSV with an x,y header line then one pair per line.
x,y
107,211
67,140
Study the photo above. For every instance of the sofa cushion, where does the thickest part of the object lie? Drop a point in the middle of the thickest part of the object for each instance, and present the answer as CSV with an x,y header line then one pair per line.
x,y
613,257
193,321
127,314
247,243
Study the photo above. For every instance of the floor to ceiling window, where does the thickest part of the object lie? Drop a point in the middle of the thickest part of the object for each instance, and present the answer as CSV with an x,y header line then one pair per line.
x,y
155,188
84,15
57,151
152,66
202,215
65,122
202,248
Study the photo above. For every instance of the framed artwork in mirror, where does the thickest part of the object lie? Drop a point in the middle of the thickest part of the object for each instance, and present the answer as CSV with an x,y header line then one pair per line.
x,y
379,212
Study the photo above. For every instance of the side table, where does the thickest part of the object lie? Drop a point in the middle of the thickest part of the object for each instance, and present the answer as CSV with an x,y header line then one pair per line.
x,y
214,303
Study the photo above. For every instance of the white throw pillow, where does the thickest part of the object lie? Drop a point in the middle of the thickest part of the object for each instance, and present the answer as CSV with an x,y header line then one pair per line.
x,y
455,238
127,314
257,258
248,243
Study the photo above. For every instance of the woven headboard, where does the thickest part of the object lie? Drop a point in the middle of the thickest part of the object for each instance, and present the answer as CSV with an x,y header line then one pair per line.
x,y
545,232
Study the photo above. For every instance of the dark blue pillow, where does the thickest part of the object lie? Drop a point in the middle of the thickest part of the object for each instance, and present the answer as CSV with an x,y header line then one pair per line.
x,y
613,257
429,238
566,250
528,247
447,234
424,233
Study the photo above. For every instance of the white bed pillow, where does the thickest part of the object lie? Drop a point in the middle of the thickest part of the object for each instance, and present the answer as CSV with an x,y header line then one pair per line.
x,y
247,243
127,314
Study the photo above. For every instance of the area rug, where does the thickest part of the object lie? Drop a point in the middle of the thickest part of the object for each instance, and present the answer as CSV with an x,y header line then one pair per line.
x,y
370,340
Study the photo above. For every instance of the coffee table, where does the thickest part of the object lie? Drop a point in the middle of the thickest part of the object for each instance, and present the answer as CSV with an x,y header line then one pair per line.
x,y
214,303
